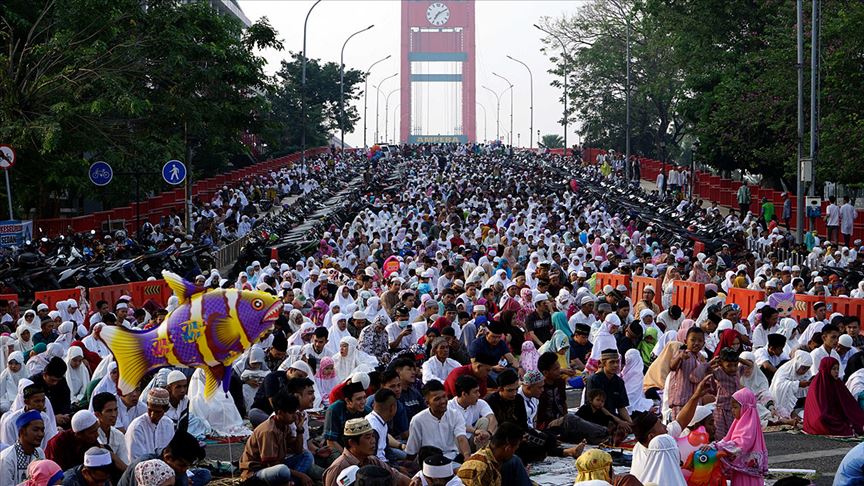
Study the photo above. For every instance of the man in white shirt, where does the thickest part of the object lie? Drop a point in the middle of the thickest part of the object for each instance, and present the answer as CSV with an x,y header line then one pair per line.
x,y
479,419
830,334
671,318
585,314
178,387
440,364
848,213
770,357
832,219
531,389
383,411
437,426
105,409
151,432
16,459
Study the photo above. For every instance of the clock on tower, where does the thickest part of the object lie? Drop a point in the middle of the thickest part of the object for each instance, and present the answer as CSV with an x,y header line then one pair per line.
x,y
438,55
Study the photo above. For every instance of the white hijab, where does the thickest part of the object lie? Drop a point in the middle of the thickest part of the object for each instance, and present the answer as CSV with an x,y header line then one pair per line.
x,y
634,377
756,382
661,463
65,336
77,378
106,384
784,387
219,410
9,379
340,300
22,345
344,366
335,335
604,338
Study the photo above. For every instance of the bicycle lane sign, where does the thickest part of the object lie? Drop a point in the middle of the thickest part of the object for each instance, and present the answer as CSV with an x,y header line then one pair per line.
x,y
101,173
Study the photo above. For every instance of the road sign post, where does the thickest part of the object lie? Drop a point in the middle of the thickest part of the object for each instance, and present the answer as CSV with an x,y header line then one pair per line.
x,y
101,173
7,160
174,172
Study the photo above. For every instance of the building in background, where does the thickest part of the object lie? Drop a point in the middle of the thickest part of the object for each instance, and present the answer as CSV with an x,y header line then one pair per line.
x,y
227,7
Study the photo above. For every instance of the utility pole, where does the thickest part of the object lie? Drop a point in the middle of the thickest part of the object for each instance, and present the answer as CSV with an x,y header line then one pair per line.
x,y
303,88
531,107
377,101
510,87
627,167
815,49
366,95
342,89
387,113
799,211
497,112
564,53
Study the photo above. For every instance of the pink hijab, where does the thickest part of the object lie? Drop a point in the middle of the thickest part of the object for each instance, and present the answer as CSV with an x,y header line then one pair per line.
x,y
529,356
745,439
682,331
43,473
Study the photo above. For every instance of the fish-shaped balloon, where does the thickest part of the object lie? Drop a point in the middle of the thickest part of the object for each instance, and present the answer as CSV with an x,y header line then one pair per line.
x,y
209,330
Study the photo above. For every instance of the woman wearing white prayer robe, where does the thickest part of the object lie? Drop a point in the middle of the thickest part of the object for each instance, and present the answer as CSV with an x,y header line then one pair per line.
x,y
65,335
634,378
9,378
77,375
219,410
252,369
95,345
347,364
786,385
8,430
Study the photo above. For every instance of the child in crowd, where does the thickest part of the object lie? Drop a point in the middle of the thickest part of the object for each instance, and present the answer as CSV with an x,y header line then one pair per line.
x,y
681,381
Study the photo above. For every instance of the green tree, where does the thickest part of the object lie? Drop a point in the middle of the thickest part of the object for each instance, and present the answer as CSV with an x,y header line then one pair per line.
x,y
552,141
322,98
130,83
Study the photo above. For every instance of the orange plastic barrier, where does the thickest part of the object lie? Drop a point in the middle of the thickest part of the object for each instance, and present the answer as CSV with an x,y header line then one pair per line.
x,y
804,305
613,279
155,290
745,298
51,297
689,296
109,293
846,306
13,308
639,284
698,247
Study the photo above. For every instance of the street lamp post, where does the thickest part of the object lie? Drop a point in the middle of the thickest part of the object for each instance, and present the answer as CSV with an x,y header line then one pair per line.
x,y
395,110
342,88
485,138
387,111
564,51
303,88
627,165
377,102
497,112
511,104
366,95
531,107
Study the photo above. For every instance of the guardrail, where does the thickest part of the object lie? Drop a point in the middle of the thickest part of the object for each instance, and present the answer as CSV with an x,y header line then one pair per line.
x,y
784,255
228,254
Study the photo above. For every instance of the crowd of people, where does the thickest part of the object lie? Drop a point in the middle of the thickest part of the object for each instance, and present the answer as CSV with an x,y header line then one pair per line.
x,y
453,333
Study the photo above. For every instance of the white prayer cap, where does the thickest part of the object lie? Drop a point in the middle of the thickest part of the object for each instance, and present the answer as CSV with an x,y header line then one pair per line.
x,y
301,365
83,420
540,298
702,412
175,376
42,307
437,467
97,457
846,341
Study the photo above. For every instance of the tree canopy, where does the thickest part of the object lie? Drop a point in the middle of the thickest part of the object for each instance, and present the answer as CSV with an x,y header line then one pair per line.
x,y
720,71
136,84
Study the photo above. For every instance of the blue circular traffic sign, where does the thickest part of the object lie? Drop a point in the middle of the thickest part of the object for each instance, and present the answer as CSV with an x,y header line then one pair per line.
x,y
174,172
101,173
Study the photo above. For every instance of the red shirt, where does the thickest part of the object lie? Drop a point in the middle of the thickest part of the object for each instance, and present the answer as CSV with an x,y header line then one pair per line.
x,y
450,384
66,450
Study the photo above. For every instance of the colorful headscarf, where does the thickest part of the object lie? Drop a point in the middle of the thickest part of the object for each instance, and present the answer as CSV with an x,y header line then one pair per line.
x,y
593,464
645,346
153,472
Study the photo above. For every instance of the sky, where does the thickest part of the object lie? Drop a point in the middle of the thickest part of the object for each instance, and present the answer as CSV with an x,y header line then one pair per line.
x,y
502,28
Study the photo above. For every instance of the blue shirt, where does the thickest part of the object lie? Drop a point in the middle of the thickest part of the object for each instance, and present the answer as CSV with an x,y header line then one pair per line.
x,y
482,346
335,418
851,470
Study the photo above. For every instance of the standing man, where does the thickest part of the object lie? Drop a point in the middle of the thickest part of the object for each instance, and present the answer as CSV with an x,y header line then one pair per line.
x,y
848,213
743,200
832,219
787,209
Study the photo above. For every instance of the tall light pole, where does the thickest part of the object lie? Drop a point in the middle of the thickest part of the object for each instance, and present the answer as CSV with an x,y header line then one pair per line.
x,y
799,192
395,110
303,88
627,121
564,52
387,111
366,94
511,104
342,88
377,100
485,138
497,112
531,107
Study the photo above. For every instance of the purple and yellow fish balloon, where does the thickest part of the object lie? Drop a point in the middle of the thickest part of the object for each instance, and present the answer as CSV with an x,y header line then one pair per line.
x,y
208,330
